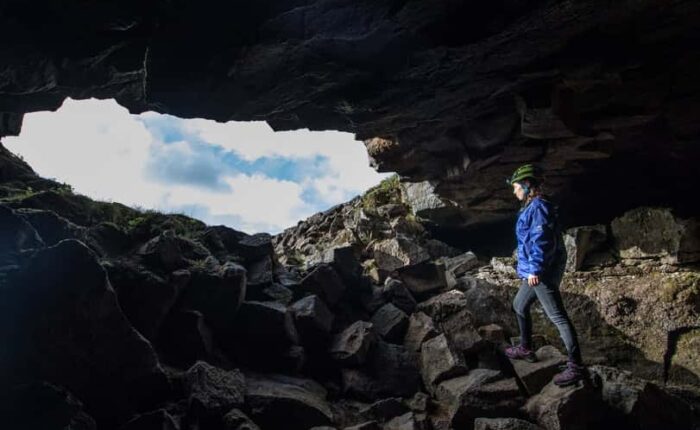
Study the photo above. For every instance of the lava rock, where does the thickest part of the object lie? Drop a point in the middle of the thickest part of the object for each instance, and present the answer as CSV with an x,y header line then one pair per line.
x,y
352,345
420,328
568,408
51,227
185,338
495,399
390,322
237,420
313,320
440,361
254,247
325,282
155,420
534,376
213,391
504,424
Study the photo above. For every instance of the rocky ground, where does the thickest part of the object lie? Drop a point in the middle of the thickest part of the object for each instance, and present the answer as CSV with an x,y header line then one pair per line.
x,y
356,319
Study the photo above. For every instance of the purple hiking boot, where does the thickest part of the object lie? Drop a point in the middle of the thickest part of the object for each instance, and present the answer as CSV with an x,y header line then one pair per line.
x,y
520,353
571,374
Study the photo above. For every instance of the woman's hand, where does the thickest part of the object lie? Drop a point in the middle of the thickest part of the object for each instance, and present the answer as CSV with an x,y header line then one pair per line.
x,y
533,280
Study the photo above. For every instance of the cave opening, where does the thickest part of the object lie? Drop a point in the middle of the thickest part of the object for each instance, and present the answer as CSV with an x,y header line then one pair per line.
x,y
240,174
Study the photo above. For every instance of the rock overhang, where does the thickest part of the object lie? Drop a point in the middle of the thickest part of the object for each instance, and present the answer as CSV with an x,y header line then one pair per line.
x,y
603,95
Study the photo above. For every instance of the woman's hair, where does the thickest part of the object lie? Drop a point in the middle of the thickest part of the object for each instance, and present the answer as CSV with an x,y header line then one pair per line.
x,y
536,189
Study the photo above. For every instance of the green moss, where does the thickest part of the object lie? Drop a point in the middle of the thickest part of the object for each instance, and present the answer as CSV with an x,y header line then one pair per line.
x,y
388,191
684,288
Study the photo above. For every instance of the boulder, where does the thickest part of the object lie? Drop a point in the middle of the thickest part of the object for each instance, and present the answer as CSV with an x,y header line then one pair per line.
x,y
107,239
396,292
440,361
185,338
144,297
384,410
369,425
462,263
325,282
352,345
425,203
16,233
567,408
163,252
358,384
41,405
251,247
390,323
345,263
259,273
492,333
425,278
450,390
646,232
51,227
408,421
451,316
63,318
275,292
396,369
313,320
267,330
277,401
397,252
212,391
217,292
534,376
494,399
420,328
635,402
581,242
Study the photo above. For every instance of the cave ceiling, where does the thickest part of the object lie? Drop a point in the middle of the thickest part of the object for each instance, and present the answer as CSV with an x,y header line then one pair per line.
x,y
604,94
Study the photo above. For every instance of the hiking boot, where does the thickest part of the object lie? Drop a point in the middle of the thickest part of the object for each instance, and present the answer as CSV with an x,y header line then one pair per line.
x,y
570,375
520,353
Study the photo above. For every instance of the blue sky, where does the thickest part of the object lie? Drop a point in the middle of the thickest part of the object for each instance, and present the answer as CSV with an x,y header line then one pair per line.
x,y
243,175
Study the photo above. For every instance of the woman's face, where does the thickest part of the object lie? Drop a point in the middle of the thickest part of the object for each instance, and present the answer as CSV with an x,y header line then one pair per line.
x,y
519,191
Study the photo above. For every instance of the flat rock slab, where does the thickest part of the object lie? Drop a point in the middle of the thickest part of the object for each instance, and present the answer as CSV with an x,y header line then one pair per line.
x,y
279,401
534,376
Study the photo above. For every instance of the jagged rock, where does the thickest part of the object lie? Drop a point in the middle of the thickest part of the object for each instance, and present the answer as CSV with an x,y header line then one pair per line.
x,y
259,273
440,361
185,338
107,239
217,293
52,228
359,384
252,247
278,401
534,376
438,249
76,335
41,405
325,282
163,252
144,297
424,278
396,369
213,391
569,408
425,203
273,293
581,242
390,322
16,233
395,292
462,263
645,232
267,330
155,420
408,421
420,328
343,260
397,252
352,345
636,402
495,399
504,424
384,409
313,320
450,315
486,304
237,420
450,390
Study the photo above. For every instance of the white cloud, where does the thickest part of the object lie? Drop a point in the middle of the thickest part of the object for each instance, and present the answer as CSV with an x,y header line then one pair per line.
x,y
103,152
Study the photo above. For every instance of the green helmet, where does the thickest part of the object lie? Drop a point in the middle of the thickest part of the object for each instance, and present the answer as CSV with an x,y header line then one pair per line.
x,y
526,171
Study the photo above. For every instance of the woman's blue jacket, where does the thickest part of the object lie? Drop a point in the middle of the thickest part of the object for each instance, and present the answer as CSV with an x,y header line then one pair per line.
x,y
538,237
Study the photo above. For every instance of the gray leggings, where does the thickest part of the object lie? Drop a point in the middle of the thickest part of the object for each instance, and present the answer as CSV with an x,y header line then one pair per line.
x,y
547,292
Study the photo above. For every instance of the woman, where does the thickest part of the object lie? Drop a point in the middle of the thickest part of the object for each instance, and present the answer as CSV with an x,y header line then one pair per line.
x,y
541,262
